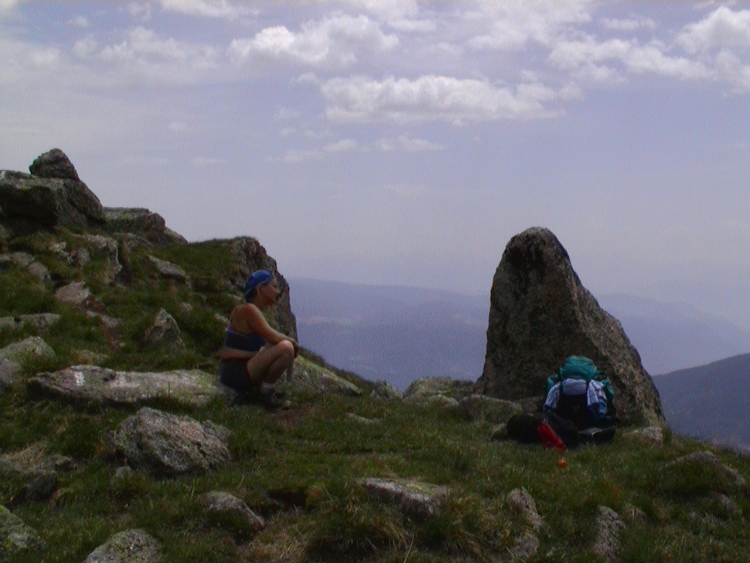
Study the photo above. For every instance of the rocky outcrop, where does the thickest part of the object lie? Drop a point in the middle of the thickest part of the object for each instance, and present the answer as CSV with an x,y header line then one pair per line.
x,y
414,498
141,222
16,536
250,256
432,390
130,546
167,445
51,196
540,314
384,391
308,377
93,385
650,436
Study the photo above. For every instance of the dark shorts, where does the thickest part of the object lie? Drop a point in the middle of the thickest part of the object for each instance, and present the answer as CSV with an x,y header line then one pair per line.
x,y
233,374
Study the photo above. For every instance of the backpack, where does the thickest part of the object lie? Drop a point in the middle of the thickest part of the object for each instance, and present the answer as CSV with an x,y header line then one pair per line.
x,y
581,394
524,428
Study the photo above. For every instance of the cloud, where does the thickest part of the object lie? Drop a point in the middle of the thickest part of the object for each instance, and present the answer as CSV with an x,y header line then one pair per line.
x,y
86,47
294,156
361,99
723,28
177,127
631,24
586,55
139,10
8,5
514,23
80,22
207,8
330,43
408,144
344,145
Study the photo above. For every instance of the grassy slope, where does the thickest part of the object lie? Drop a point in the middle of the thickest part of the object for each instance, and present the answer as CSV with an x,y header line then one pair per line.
x,y
299,468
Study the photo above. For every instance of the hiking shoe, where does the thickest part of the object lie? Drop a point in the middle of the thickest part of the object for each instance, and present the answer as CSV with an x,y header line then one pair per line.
x,y
268,399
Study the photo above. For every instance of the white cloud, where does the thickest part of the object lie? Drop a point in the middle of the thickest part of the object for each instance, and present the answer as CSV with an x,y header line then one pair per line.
x,y
429,98
294,156
731,69
409,144
722,28
86,47
287,131
80,21
8,5
631,24
344,145
585,54
177,127
139,10
330,43
514,23
207,8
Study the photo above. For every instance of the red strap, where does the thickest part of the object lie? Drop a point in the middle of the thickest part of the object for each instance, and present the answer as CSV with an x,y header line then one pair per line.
x,y
549,437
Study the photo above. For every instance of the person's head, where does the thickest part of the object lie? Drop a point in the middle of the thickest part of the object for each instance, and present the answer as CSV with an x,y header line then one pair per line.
x,y
261,281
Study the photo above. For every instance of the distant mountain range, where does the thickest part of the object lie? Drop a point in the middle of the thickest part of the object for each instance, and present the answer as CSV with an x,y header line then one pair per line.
x,y
711,402
403,333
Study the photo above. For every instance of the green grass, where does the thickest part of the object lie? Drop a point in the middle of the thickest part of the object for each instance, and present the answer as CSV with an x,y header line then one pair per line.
x,y
300,469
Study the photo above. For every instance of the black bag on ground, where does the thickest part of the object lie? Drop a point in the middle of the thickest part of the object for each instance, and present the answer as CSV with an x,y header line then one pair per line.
x,y
523,428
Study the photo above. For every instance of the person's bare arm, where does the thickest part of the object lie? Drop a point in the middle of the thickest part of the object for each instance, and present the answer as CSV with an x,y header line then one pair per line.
x,y
257,323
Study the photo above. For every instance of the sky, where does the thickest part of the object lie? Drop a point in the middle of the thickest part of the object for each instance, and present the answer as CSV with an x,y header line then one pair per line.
x,y
404,143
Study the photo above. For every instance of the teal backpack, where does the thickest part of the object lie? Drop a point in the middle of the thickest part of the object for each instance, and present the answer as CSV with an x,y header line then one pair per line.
x,y
574,407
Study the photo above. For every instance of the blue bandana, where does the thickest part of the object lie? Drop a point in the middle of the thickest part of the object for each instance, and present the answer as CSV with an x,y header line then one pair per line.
x,y
256,278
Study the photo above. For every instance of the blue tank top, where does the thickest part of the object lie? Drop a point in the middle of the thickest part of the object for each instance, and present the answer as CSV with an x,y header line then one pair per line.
x,y
245,342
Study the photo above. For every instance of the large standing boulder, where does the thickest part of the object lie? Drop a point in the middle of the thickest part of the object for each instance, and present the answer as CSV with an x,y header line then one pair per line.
x,y
168,445
540,314
51,196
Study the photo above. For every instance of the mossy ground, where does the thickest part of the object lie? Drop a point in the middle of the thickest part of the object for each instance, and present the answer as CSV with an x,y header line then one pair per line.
x,y
299,468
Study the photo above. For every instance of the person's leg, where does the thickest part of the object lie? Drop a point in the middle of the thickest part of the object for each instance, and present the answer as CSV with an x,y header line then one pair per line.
x,y
270,362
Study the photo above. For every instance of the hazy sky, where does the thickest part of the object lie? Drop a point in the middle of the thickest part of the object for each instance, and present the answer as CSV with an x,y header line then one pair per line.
x,y
389,141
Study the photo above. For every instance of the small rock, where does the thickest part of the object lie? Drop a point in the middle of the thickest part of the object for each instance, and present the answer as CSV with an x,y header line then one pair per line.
x,y
221,319
499,433
430,386
727,505
362,419
312,378
708,459
228,507
110,323
417,499
15,536
609,529
79,295
41,321
384,391
12,355
130,546
164,331
185,308
31,265
522,502
167,445
482,407
170,271
41,488
525,547
649,436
